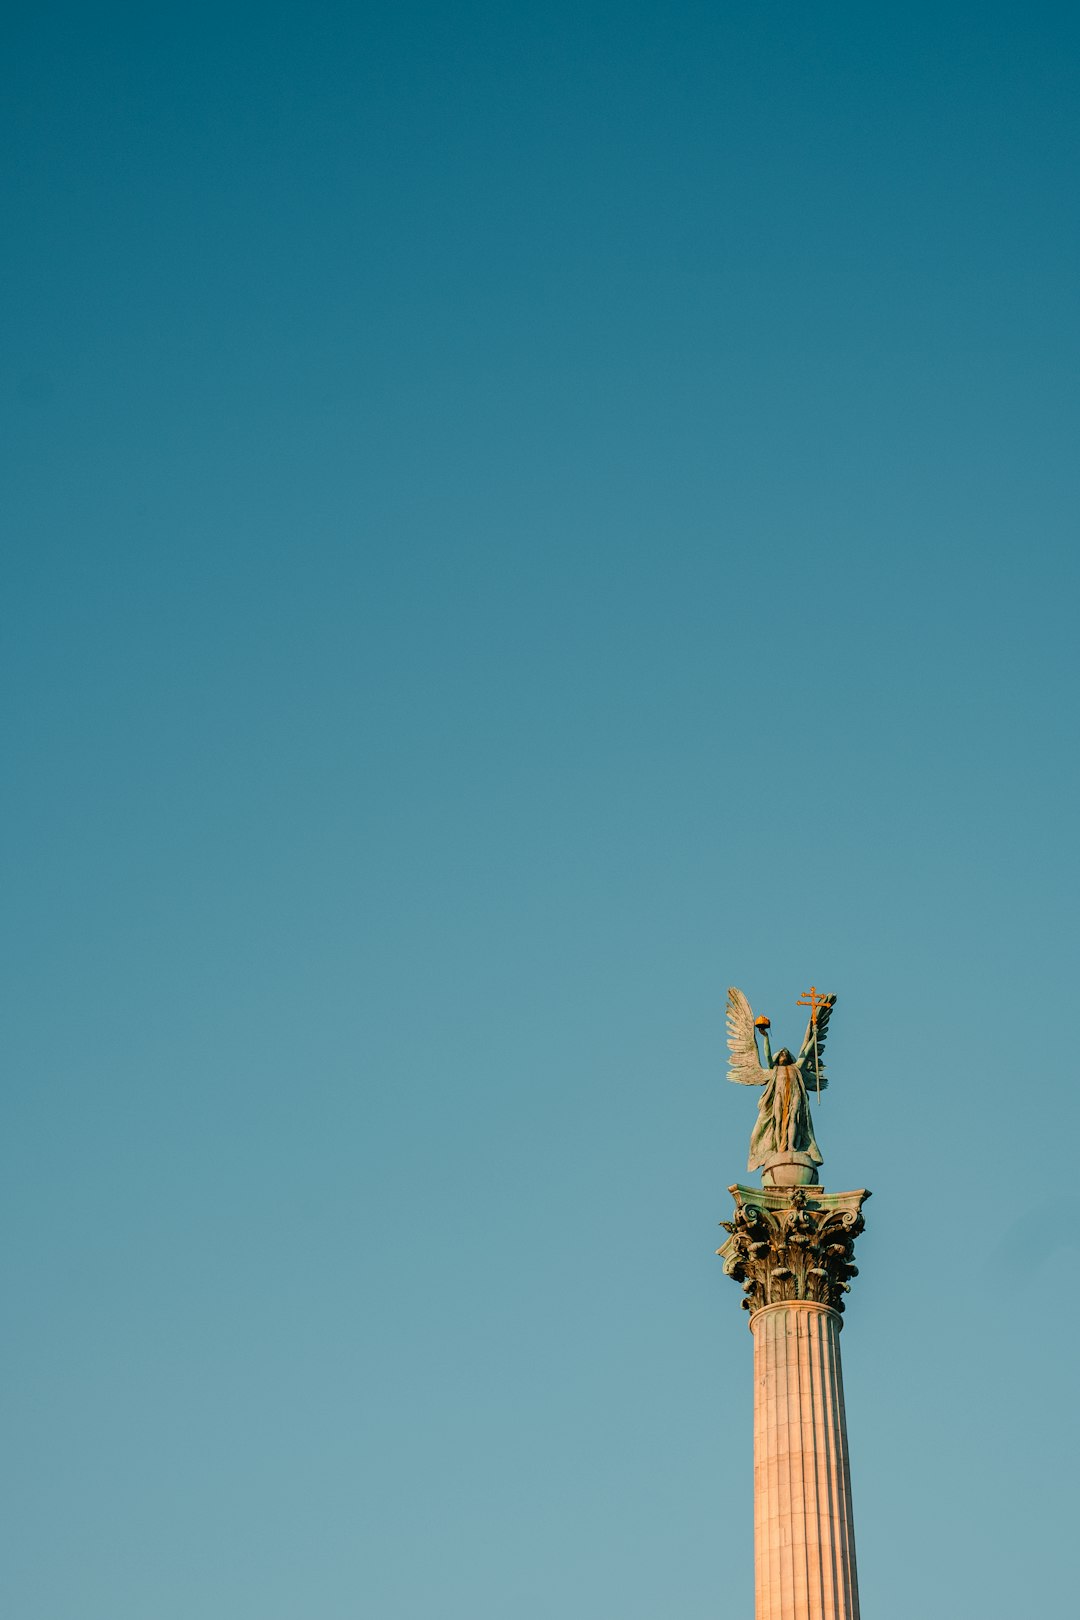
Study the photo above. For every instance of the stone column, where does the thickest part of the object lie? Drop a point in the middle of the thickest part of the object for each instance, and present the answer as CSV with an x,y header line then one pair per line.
x,y
791,1249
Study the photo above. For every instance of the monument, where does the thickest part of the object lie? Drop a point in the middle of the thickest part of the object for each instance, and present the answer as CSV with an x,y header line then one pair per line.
x,y
791,1248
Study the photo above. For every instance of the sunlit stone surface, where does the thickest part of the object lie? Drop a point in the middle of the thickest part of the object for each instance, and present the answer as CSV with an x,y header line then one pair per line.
x,y
804,1540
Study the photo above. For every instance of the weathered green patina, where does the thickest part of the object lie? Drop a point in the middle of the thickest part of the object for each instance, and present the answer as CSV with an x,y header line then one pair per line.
x,y
792,1243
783,1145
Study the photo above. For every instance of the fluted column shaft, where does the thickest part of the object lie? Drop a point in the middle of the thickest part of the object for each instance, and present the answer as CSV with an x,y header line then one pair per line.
x,y
804,1541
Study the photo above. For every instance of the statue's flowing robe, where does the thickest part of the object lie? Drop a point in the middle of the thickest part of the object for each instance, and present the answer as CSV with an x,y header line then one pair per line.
x,y
783,1121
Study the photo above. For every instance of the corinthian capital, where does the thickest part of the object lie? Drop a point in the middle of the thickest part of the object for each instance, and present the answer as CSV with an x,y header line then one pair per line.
x,y
792,1243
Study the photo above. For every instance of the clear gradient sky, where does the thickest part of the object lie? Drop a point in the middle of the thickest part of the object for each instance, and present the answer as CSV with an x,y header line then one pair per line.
x,y
518,517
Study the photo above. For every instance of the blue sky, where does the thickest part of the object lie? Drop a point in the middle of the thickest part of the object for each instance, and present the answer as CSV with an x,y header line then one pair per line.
x,y
519,518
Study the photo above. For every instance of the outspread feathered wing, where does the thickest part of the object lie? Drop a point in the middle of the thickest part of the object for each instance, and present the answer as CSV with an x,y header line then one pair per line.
x,y
815,1072
744,1065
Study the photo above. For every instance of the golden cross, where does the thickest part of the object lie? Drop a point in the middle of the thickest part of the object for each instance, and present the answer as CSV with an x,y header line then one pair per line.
x,y
812,998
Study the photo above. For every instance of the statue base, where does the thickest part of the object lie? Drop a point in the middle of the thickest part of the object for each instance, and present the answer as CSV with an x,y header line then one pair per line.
x,y
789,1170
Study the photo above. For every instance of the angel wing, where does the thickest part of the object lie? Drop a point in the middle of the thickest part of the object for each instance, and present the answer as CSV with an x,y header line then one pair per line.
x,y
744,1065
810,1068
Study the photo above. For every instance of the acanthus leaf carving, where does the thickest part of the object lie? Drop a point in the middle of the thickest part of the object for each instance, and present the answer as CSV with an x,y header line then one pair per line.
x,y
792,1244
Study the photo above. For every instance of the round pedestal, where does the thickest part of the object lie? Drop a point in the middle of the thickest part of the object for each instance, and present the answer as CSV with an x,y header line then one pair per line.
x,y
789,1170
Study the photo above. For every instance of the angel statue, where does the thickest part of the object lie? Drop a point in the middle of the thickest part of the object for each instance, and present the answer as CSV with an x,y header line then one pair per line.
x,y
782,1145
